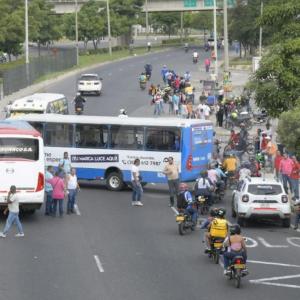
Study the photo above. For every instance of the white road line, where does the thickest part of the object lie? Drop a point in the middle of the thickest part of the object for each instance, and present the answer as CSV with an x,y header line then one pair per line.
x,y
275,278
98,263
272,263
266,244
77,211
276,284
175,210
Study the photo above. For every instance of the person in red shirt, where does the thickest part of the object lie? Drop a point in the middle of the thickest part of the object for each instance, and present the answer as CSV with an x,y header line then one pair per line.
x,y
234,139
294,178
277,161
264,142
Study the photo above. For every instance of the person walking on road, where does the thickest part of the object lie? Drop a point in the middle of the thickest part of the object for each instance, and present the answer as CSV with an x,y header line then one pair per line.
x,y
48,191
172,172
294,178
285,168
73,188
58,185
207,64
137,190
13,215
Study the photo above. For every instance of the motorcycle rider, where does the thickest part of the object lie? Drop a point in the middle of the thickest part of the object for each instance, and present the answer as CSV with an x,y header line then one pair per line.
x,y
143,77
187,76
218,228
212,214
236,246
79,101
204,187
123,113
148,70
185,201
186,47
195,56
230,166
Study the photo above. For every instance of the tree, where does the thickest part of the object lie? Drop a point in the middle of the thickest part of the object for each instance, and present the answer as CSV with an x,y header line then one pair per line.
x,y
12,27
169,22
289,130
44,26
203,21
277,82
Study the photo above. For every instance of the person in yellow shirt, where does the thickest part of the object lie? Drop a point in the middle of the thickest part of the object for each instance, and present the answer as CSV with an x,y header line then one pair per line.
x,y
230,167
189,92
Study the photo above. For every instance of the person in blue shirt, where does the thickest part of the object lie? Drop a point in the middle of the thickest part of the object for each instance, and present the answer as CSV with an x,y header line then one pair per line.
x,y
163,73
190,204
48,191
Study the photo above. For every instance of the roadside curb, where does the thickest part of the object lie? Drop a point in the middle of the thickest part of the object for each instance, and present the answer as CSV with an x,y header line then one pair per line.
x,y
42,85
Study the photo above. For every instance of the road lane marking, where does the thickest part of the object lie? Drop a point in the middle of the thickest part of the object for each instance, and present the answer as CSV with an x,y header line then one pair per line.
x,y
266,244
266,281
290,240
272,263
77,211
98,263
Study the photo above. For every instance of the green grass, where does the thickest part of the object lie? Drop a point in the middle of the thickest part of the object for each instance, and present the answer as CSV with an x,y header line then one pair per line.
x,y
241,61
12,64
92,59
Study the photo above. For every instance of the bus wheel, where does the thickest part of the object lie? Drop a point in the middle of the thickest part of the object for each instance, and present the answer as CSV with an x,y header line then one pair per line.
x,y
114,181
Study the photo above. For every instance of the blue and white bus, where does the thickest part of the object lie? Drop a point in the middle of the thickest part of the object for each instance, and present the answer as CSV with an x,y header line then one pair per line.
x,y
105,147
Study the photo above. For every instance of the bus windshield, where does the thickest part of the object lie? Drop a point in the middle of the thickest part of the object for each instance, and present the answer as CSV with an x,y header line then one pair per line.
x,y
19,148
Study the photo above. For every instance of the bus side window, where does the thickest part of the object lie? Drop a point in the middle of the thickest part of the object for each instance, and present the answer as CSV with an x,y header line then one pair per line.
x,y
91,136
163,139
38,126
58,135
125,137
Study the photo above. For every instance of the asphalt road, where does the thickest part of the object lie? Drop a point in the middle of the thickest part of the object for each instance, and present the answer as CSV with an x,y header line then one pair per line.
x,y
112,251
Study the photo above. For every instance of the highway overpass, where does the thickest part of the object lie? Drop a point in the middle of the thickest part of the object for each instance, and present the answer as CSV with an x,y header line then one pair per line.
x,y
68,6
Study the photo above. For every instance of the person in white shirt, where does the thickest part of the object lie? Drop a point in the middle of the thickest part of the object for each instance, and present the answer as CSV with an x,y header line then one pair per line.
x,y
73,188
137,190
13,215
203,110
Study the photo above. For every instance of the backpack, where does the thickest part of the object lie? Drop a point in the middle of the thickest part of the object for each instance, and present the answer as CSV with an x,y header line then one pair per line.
x,y
218,228
181,201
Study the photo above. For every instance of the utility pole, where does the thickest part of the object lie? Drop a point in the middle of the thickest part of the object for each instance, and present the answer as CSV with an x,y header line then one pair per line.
x,y
76,33
215,39
26,34
181,26
147,20
108,28
260,29
226,54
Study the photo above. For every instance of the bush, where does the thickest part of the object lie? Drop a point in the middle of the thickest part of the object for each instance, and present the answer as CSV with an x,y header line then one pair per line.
x,y
177,41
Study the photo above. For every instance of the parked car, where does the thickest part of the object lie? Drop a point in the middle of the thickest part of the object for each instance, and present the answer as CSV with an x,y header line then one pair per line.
x,y
260,198
90,83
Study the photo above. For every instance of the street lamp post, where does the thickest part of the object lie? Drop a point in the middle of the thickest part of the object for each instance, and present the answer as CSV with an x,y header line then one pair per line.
x,y
260,29
26,34
76,32
147,20
226,54
215,40
108,28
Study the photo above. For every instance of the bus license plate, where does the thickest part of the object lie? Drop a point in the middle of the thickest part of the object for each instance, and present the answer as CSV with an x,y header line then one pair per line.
x,y
179,218
239,266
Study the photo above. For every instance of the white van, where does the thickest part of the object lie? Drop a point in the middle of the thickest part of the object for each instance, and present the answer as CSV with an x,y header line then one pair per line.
x,y
40,103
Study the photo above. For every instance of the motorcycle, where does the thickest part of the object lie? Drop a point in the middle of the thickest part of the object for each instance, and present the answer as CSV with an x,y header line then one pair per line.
x,y
216,248
148,76
246,119
143,85
202,205
195,60
260,117
186,49
237,270
185,222
219,193
78,110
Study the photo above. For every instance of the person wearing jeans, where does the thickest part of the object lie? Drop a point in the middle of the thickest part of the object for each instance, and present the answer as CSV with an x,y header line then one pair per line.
x,y
13,216
172,172
73,187
294,177
58,194
137,190
48,191
285,168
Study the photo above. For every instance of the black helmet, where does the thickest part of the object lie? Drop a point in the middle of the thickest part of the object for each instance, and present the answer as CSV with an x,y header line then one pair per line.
x,y
235,229
221,212
214,212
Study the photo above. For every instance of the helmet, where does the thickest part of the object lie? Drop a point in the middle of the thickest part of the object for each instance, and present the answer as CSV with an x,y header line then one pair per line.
x,y
221,212
235,229
123,111
183,186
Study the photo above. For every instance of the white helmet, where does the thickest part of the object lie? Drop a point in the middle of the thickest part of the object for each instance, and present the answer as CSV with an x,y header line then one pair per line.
x,y
123,111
